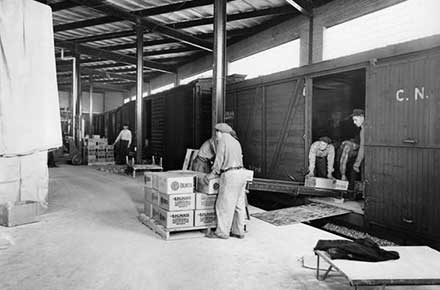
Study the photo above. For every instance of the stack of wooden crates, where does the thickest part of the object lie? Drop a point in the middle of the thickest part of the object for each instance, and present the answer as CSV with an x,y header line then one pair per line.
x,y
98,152
179,200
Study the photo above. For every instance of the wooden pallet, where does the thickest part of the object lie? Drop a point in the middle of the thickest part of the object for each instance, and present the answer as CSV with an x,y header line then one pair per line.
x,y
173,234
101,163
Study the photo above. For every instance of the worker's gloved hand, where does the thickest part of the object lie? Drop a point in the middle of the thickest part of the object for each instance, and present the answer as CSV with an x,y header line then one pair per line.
x,y
310,174
330,176
344,178
356,167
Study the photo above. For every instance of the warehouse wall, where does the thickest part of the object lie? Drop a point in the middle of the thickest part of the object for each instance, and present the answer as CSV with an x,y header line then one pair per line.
x,y
113,100
335,12
102,102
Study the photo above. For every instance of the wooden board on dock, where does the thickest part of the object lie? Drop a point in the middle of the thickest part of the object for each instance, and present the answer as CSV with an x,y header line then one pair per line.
x,y
417,265
173,234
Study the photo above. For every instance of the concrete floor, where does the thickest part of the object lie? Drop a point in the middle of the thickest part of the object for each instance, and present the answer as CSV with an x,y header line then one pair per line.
x,y
91,239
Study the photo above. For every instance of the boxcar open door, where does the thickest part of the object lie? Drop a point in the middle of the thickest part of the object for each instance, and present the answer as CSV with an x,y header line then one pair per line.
x,y
403,144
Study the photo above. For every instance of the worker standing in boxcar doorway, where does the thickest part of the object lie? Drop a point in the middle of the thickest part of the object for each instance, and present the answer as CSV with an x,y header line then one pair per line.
x,y
124,138
353,149
230,206
321,158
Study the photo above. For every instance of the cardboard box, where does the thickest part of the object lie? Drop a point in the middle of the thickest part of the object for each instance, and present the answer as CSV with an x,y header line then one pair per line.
x,y
155,179
205,201
148,209
148,179
210,188
205,217
179,201
173,183
249,174
19,213
148,194
9,191
326,183
155,212
155,197
176,219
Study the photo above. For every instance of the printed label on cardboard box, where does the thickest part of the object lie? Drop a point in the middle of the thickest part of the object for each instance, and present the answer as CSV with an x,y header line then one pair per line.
x,y
205,201
180,201
177,219
205,217
175,183
155,212
155,197
148,179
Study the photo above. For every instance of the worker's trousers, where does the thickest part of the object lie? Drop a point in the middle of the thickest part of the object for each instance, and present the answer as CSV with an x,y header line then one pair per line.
x,y
230,206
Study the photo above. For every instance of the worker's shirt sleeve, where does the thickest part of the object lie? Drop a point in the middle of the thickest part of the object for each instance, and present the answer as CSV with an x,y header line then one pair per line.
x,y
360,155
219,157
129,137
119,137
312,156
330,159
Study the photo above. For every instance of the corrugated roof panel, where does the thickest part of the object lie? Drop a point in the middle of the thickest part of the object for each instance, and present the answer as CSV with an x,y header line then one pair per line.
x,y
74,14
95,30
139,4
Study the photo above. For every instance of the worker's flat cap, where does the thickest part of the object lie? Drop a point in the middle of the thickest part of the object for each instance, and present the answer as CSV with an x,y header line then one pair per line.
x,y
223,127
326,139
357,112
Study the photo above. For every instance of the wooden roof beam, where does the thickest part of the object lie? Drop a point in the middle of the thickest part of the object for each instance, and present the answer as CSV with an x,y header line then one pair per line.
x,y
152,25
117,57
181,5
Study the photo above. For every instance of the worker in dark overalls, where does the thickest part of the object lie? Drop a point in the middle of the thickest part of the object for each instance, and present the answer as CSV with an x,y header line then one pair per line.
x,y
124,139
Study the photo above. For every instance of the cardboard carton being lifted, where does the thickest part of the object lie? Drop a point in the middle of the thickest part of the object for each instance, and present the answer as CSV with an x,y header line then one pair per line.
x,y
326,183
211,188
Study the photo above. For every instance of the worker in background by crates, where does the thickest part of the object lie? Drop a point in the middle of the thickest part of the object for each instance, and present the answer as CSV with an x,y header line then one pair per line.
x,y
353,149
321,158
124,138
230,206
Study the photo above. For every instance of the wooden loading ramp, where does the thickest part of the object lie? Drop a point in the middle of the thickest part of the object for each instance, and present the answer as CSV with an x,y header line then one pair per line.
x,y
294,188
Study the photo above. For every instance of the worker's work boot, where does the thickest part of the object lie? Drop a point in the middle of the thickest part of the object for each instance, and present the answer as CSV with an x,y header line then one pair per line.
x,y
238,236
213,235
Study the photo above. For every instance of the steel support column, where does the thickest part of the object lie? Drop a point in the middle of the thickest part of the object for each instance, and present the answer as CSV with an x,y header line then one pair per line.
x,y
91,131
219,64
77,96
139,90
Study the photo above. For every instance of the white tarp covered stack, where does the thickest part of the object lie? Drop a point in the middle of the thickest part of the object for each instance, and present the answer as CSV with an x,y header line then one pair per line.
x,y
29,109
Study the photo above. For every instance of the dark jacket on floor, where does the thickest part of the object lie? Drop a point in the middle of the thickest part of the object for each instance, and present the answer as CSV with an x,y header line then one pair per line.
x,y
359,250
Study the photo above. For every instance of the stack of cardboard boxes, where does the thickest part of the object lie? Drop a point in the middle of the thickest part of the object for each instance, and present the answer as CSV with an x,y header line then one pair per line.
x,y
98,151
171,199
